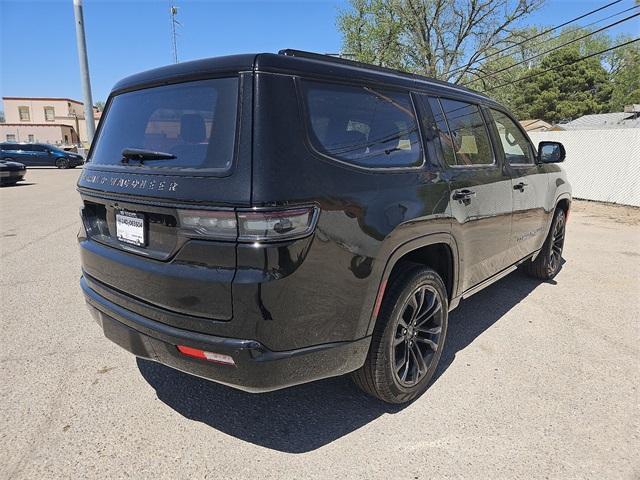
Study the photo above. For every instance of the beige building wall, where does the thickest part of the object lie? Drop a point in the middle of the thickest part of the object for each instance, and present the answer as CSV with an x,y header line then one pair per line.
x,y
65,112
38,133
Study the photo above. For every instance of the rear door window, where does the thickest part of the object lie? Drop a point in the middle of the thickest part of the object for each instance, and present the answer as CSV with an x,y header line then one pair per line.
x,y
363,126
195,121
469,134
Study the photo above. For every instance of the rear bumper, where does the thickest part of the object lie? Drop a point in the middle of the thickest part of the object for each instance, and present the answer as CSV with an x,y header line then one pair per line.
x,y
11,176
257,369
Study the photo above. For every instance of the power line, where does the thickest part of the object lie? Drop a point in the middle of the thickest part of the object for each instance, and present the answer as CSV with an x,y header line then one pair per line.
x,y
549,30
552,49
563,65
584,27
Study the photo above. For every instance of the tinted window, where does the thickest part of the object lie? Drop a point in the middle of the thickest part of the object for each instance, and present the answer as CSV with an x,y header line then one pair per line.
x,y
364,126
195,121
469,137
517,148
443,131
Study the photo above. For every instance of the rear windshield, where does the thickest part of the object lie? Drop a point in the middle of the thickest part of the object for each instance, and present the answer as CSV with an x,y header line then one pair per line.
x,y
195,121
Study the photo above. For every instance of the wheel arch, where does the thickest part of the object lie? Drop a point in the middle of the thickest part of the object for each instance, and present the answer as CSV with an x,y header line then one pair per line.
x,y
438,251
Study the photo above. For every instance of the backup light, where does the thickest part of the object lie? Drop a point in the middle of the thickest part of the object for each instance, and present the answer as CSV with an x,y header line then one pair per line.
x,y
204,355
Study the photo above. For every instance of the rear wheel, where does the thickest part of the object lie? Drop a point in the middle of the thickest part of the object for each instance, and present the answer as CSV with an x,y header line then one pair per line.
x,y
408,338
62,163
547,263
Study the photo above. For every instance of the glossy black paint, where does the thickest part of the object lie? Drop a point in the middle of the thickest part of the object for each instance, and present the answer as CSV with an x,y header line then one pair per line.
x,y
11,172
322,289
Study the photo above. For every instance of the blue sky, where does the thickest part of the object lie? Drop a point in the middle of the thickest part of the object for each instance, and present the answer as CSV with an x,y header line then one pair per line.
x,y
37,38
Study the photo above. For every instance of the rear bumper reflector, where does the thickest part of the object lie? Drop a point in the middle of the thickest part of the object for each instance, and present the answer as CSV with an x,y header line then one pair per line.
x,y
204,355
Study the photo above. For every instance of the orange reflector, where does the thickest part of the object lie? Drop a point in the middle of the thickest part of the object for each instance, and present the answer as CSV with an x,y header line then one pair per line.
x,y
204,355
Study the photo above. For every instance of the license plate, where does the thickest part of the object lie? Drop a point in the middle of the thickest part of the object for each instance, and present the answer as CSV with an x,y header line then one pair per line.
x,y
130,228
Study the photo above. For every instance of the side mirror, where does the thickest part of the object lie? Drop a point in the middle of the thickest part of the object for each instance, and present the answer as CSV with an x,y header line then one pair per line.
x,y
551,152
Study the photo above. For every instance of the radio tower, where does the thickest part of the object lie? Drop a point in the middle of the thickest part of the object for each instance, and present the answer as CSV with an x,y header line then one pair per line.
x,y
173,12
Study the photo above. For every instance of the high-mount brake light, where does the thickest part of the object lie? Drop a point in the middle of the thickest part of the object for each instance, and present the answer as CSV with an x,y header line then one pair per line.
x,y
248,226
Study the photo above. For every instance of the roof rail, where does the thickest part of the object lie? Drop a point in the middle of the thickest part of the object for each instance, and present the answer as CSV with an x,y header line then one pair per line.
x,y
289,52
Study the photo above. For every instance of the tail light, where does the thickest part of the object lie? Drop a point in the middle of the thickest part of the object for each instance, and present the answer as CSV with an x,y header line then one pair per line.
x,y
249,226
209,223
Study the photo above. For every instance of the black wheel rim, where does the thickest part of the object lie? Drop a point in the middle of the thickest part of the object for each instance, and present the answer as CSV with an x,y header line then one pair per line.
x,y
417,335
557,242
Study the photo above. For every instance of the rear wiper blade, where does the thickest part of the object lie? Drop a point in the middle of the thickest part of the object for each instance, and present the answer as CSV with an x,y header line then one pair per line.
x,y
141,155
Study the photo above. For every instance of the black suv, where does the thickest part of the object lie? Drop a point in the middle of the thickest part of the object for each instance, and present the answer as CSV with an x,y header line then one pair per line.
x,y
266,220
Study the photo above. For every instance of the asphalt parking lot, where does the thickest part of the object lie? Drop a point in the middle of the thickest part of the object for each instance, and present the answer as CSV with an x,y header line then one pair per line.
x,y
537,380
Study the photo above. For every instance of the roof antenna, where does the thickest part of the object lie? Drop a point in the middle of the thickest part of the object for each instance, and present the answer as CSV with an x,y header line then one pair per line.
x,y
173,12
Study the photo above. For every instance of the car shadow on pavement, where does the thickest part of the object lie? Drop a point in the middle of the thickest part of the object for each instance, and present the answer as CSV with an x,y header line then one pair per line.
x,y
306,417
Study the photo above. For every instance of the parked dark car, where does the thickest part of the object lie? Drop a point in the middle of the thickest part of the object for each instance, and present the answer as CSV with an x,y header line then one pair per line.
x,y
11,172
266,220
39,154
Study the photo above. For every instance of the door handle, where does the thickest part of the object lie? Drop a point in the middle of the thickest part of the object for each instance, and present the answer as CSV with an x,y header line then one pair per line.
x,y
519,186
463,194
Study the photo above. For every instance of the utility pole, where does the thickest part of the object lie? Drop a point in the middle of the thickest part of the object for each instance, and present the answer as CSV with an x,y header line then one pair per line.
x,y
173,12
84,70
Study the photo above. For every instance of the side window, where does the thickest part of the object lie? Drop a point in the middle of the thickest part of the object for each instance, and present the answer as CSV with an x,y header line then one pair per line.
x,y
469,135
517,148
443,131
364,126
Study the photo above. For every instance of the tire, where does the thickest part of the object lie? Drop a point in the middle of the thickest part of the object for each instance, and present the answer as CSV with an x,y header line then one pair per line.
x,y
392,371
62,163
548,262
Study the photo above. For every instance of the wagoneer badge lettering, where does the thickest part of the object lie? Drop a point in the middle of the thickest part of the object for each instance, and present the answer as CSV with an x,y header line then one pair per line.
x,y
130,183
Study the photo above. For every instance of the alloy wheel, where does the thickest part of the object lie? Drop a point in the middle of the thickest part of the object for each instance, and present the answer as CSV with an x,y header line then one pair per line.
x,y
557,242
417,335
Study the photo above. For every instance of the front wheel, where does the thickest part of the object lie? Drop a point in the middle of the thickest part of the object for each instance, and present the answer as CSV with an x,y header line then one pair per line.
x,y
62,163
547,263
408,339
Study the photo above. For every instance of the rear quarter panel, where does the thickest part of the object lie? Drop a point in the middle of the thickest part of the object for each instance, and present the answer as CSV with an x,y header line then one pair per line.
x,y
364,217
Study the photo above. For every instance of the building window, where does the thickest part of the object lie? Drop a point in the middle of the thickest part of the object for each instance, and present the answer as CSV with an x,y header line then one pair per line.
x,y
66,139
11,137
24,114
30,138
49,114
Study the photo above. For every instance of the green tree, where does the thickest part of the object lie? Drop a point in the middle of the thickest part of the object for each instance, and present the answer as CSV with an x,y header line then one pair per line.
x,y
624,72
438,38
564,92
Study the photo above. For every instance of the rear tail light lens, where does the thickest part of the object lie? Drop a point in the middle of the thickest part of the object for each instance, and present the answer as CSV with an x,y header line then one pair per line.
x,y
276,225
204,355
209,223
248,226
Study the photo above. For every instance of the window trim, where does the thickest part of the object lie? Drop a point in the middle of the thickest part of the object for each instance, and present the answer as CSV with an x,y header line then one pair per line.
x,y
534,151
28,113
304,112
53,111
457,166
